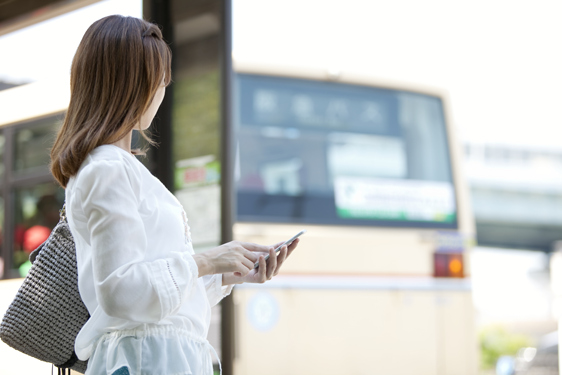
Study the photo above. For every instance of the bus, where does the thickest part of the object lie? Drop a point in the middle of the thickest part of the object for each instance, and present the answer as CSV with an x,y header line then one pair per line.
x,y
372,170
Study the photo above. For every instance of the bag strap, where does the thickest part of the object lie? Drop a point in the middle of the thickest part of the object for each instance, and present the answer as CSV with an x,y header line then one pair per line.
x,y
60,370
62,213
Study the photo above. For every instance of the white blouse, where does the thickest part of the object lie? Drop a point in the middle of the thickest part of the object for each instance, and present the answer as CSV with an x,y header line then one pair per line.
x,y
149,309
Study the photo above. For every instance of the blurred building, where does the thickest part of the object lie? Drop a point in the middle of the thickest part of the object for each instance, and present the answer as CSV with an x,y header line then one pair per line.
x,y
516,195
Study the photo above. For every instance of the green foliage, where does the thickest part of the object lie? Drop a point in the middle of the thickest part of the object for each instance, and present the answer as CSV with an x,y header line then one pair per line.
x,y
495,341
196,116
24,268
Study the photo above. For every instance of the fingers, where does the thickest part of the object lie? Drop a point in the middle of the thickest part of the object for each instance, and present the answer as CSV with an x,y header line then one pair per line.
x,y
280,259
262,270
242,268
254,247
248,263
250,255
242,265
284,254
278,244
293,245
271,264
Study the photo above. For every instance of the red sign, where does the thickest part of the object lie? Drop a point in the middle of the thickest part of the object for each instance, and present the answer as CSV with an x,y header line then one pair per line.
x,y
194,175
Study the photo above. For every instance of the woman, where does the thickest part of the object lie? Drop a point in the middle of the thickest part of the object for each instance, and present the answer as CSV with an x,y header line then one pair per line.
x,y
148,294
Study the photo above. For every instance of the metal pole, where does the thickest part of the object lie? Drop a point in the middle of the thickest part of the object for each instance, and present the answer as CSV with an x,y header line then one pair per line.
x,y
227,182
161,156
9,217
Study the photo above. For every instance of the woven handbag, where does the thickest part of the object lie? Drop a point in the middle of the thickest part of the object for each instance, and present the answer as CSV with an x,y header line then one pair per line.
x,y
47,313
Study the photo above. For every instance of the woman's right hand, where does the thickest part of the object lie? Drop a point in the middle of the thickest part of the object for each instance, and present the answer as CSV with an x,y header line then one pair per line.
x,y
235,256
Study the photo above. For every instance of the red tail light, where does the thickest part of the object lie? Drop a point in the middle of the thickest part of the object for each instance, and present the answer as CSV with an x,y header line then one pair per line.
x,y
448,265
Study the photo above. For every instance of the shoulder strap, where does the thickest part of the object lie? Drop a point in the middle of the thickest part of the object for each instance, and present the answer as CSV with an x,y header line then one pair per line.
x,y
62,213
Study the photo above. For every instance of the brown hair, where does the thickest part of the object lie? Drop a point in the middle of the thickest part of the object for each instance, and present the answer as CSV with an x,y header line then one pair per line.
x,y
116,71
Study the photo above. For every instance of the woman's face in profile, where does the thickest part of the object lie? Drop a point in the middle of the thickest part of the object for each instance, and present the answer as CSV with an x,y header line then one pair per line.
x,y
148,116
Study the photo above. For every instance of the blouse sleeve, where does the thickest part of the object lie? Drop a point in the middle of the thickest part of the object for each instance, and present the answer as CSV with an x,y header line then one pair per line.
x,y
126,285
214,288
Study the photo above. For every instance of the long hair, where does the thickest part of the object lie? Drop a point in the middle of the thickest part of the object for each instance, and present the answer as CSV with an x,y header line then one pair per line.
x,y
116,71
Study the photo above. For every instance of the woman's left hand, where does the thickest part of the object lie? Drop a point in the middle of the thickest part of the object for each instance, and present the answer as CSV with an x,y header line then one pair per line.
x,y
266,270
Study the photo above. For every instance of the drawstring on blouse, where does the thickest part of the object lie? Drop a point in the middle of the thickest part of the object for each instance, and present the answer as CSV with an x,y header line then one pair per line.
x,y
214,352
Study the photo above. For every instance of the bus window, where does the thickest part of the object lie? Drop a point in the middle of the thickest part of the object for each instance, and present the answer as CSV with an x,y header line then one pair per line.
x,y
32,146
36,214
333,153
38,199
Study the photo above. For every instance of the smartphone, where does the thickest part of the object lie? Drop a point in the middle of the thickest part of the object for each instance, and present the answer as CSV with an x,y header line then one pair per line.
x,y
288,242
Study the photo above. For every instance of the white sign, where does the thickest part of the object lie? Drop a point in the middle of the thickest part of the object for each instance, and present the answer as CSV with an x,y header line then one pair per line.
x,y
202,207
351,154
403,200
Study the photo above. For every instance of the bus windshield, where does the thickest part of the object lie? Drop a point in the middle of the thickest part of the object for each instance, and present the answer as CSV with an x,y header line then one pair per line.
x,y
334,153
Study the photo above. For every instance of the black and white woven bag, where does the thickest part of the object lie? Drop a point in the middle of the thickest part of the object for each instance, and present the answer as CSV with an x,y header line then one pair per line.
x,y
47,312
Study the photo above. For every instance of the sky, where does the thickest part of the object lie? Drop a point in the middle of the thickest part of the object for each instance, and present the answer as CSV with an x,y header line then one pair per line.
x,y
45,49
500,60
